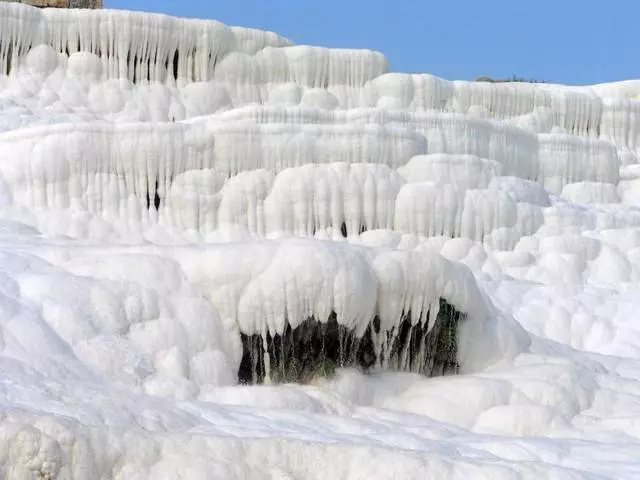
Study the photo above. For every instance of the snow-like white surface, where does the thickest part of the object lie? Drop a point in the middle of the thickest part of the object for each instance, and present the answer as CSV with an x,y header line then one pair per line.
x,y
120,322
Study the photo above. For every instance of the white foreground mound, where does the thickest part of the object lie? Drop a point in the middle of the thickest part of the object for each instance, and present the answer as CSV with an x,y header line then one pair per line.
x,y
169,186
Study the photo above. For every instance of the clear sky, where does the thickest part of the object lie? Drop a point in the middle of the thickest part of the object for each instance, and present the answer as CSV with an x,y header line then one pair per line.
x,y
566,41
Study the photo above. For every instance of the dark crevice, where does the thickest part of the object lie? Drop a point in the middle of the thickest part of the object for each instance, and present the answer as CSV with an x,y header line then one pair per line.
x,y
299,354
156,197
215,64
171,64
317,348
345,233
9,57
176,61
133,68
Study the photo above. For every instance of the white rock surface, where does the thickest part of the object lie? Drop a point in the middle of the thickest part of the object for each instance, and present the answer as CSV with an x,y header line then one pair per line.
x,y
168,183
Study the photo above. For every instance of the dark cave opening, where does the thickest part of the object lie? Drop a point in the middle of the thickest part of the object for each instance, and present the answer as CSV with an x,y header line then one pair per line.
x,y
317,348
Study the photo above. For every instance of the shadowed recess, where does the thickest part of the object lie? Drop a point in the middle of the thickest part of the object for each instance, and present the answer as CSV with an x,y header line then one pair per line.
x,y
317,349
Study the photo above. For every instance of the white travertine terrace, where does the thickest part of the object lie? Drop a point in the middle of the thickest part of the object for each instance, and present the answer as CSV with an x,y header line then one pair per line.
x,y
167,184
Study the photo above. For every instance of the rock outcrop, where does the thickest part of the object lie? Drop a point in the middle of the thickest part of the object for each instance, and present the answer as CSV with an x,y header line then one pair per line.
x,y
62,3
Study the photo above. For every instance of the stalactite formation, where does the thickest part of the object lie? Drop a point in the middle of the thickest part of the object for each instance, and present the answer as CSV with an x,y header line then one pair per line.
x,y
200,222
288,159
315,348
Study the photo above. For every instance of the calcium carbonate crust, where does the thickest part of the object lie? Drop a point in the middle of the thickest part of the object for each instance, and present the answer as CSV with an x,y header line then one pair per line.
x,y
167,185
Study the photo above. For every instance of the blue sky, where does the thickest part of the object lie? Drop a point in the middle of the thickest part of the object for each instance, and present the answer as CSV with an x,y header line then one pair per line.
x,y
567,41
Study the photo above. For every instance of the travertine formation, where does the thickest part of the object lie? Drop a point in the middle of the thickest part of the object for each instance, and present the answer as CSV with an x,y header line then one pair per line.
x,y
186,206
61,3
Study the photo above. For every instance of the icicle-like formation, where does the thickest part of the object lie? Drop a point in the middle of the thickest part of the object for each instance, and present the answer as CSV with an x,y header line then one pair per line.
x,y
515,148
241,66
567,159
137,46
316,67
358,307
169,129
272,287
184,205
328,173
108,170
203,177
621,123
317,348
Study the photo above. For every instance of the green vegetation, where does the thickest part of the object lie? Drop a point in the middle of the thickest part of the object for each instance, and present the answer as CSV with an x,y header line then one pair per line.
x,y
316,349
513,79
